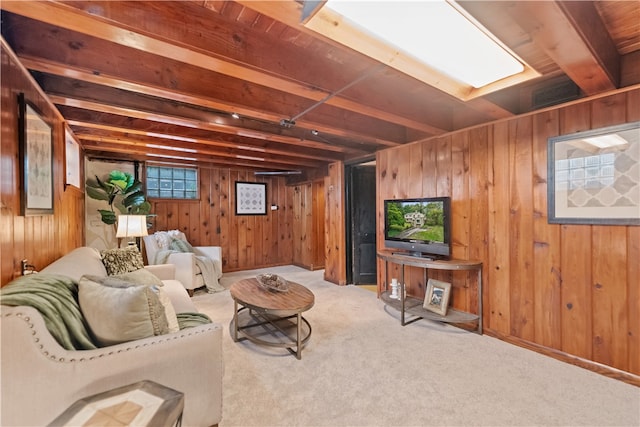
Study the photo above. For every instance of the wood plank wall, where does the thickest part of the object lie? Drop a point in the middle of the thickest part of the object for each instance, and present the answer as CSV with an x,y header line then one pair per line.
x,y
335,248
40,239
570,289
308,230
247,241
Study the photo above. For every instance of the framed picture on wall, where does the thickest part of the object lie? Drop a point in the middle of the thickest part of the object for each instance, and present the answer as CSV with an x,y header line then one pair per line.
x,y
72,159
251,198
36,160
436,297
594,176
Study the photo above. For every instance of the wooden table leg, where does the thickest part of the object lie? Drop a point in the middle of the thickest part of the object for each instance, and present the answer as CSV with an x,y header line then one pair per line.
x,y
235,320
299,330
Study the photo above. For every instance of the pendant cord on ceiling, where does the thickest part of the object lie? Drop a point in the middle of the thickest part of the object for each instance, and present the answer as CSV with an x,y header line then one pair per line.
x,y
292,121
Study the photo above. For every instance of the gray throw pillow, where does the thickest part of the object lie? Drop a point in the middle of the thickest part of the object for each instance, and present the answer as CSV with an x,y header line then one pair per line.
x,y
118,313
141,276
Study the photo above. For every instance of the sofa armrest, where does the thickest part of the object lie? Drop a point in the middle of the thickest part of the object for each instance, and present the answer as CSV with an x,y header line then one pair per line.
x,y
189,361
163,271
185,264
214,253
179,297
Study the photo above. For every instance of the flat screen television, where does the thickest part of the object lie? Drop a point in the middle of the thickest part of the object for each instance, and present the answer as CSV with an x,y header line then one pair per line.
x,y
419,227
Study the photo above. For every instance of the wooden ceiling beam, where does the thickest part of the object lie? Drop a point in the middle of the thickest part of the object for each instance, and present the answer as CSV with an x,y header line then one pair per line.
x,y
72,92
155,90
186,122
136,152
153,143
159,160
68,17
152,140
573,35
178,136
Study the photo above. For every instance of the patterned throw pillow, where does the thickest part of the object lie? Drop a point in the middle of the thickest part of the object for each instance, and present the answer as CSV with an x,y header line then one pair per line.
x,y
122,260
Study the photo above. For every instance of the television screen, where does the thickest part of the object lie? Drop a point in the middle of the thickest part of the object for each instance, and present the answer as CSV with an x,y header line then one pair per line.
x,y
418,225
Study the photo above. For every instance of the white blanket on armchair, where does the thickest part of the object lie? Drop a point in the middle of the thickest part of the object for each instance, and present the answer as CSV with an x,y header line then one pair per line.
x,y
206,266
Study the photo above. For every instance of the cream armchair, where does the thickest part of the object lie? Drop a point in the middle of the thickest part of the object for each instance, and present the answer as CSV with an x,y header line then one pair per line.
x,y
195,266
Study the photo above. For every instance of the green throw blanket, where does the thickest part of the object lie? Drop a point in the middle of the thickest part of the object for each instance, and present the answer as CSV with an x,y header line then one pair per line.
x,y
189,320
56,298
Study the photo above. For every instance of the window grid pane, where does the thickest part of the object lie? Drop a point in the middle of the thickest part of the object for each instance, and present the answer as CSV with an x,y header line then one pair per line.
x,y
172,183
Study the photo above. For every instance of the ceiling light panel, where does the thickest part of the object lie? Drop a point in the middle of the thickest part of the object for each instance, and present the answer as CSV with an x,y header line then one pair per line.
x,y
434,41
437,34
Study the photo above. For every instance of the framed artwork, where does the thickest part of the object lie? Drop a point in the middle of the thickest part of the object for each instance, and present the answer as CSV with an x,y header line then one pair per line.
x,y
36,159
72,159
251,198
436,297
594,176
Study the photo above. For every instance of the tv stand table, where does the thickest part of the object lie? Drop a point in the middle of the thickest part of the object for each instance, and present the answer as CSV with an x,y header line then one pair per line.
x,y
412,305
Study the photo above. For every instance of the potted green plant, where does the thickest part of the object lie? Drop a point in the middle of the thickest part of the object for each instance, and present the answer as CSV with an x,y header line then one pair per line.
x,y
122,192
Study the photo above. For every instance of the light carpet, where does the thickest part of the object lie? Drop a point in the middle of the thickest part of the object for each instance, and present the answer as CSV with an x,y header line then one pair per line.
x,y
362,368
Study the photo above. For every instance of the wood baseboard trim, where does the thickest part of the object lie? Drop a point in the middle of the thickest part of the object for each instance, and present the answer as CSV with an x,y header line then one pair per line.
x,y
599,368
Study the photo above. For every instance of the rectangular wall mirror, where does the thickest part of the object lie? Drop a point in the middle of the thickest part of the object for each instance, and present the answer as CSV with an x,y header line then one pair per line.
x,y
594,176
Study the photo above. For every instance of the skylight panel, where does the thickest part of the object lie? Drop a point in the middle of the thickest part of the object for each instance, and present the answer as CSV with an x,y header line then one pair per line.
x,y
436,33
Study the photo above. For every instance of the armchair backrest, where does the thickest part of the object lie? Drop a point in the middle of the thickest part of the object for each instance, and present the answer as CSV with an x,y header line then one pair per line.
x,y
160,240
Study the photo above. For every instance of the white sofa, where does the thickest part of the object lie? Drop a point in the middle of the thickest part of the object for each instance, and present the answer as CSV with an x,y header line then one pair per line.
x,y
188,271
40,379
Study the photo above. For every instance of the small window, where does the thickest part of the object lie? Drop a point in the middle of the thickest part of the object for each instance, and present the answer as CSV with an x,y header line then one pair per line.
x,y
172,183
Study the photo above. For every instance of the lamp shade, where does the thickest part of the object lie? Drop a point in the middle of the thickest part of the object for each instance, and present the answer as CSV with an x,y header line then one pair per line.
x,y
132,226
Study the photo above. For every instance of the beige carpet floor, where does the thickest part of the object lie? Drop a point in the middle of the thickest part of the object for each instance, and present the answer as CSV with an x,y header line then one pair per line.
x,y
361,368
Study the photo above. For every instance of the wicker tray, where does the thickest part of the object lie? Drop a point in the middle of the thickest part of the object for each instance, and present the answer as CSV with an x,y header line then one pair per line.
x,y
272,282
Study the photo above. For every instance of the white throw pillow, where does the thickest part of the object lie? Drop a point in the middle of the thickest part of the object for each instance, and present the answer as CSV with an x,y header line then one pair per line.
x,y
121,314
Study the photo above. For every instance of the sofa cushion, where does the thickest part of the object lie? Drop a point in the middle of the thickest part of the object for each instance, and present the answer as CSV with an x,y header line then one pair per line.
x,y
119,311
75,264
122,260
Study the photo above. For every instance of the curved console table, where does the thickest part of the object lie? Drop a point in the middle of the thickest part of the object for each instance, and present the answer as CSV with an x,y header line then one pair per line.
x,y
411,305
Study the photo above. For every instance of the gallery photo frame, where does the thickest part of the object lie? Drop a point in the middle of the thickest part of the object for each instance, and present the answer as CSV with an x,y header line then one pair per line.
x,y
251,198
36,160
71,158
436,297
594,176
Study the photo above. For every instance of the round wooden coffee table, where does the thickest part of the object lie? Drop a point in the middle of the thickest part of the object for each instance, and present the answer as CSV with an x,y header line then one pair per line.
x,y
271,317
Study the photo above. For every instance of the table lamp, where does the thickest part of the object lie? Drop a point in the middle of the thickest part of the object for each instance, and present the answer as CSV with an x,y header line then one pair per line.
x,y
131,226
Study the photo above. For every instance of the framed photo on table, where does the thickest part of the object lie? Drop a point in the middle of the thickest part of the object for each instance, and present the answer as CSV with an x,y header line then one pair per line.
x,y
594,176
436,297
36,160
251,198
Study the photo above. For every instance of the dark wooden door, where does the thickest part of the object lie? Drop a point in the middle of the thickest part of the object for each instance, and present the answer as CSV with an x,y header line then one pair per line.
x,y
363,224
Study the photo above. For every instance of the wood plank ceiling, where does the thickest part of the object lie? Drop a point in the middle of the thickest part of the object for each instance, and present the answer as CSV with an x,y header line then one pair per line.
x,y
158,80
